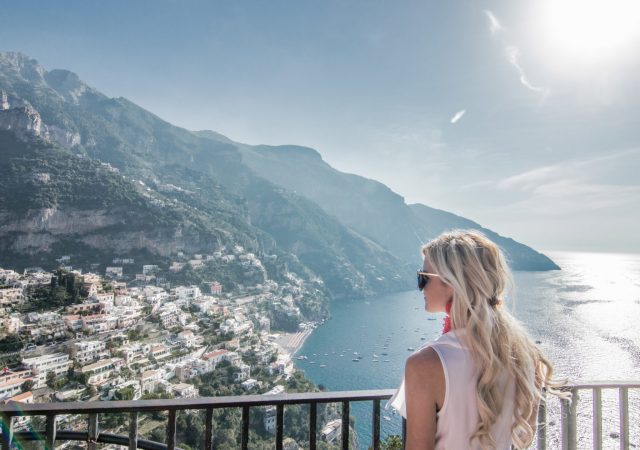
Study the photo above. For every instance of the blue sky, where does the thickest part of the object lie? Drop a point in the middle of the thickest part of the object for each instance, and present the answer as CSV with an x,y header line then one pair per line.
x,y
545,147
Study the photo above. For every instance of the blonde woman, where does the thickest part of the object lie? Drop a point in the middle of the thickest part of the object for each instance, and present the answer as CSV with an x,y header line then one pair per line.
x,y
479,385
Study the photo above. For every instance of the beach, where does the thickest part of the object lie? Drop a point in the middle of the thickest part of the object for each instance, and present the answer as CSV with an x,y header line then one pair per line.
x,y
292,342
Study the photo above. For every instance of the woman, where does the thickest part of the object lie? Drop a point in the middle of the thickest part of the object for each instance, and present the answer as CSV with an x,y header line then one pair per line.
x,y
479,385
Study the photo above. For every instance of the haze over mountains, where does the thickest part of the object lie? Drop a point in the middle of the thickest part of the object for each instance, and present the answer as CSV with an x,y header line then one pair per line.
x,y
100,177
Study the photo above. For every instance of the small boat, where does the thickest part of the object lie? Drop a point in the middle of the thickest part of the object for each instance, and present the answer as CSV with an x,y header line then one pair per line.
x,y
384,353
386,360
410,349
422,338
431,318
323,365
312,362
375,360
355,359
387,418
301,357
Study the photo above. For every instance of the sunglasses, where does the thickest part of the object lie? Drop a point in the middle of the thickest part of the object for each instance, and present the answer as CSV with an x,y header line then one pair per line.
x,y
423,279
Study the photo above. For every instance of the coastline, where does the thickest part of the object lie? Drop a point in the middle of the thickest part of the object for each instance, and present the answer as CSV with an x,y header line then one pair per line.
x,y
291,343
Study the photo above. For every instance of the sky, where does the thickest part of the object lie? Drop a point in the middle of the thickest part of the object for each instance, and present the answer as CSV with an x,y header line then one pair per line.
x,y
520,115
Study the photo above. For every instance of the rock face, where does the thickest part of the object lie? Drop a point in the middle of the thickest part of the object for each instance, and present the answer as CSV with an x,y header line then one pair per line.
x,y
27,124
24,121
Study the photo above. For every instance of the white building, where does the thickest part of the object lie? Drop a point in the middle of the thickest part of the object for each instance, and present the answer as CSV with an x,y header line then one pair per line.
x,y
58,363
86,351
331,431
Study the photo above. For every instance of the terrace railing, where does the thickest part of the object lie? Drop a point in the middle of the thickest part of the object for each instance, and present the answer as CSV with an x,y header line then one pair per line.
x,y
51,411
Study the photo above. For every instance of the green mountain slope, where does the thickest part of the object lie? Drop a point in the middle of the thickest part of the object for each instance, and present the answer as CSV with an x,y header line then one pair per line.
x,y
148,150
371,208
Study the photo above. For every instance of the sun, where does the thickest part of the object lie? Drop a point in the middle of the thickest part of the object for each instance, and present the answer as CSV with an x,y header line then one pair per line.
x,y
590,30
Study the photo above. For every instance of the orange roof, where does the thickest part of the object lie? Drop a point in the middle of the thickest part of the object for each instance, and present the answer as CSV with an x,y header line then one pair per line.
x,y
214,354
21,397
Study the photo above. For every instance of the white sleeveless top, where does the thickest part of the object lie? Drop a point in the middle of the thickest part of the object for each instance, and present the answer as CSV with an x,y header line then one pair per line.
x,y
458,418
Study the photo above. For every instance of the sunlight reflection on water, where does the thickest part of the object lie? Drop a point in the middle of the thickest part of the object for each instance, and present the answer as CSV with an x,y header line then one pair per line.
x,y
584,315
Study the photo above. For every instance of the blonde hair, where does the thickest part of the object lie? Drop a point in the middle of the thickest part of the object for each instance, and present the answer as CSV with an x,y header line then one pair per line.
x,y
477,271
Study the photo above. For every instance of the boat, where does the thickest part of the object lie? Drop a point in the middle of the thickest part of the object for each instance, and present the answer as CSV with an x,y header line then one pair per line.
x,y
301,357
312,362
410,349
384,353
387,418
375,360
323,365
386,360
355,359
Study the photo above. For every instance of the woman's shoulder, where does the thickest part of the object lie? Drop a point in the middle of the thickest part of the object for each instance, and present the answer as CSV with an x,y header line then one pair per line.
x,y
424,362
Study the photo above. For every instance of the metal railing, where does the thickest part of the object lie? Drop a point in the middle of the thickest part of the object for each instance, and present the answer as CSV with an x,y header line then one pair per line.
x,y
93,410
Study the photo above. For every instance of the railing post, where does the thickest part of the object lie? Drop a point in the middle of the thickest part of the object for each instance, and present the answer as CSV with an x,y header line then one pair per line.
x,y
573,427
345,425
245,428
7,431
542,422
208,430
404,432
375,425
597,418
623,394
568,417
133,431
50,437
279,426
92,432
313,419
171,430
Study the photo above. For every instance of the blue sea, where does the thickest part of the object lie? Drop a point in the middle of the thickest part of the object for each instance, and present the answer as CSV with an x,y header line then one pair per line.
x,y
585,316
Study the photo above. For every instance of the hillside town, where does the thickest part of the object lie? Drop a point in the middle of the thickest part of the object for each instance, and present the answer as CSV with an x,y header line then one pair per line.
x,y
74,336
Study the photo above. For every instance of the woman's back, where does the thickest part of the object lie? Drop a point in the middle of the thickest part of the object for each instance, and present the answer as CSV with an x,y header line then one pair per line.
x,y
458,418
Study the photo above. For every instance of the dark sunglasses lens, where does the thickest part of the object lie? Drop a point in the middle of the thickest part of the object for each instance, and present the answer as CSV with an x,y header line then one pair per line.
x,y
422,281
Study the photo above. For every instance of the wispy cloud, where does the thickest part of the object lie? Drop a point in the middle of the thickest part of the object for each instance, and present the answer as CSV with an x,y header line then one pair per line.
x,y
494,24
457,116
572,186
513,54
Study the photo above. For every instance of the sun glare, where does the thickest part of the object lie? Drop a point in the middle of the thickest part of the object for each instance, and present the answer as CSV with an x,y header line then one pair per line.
x,y
591,30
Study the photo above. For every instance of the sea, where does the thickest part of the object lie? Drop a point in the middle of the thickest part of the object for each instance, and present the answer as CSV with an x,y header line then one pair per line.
x,y
585,318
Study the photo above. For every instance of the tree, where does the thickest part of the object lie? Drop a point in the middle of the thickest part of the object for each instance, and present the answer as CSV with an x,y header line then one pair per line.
x,y
26,386
11,343
51,378
393,442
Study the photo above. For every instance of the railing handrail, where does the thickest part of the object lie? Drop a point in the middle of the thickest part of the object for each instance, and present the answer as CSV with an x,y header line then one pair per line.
x,y
631,384
121,406
93,410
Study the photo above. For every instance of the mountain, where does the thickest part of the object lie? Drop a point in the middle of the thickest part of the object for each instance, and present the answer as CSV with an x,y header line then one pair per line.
x,y
207,191
370,207
195,172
